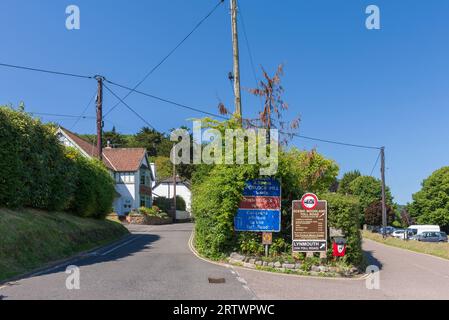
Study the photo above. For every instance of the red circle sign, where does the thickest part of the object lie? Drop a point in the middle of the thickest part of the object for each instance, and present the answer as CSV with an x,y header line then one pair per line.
x,y
309,201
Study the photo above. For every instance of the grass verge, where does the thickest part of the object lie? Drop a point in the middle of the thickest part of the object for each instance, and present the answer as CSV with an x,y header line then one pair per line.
x,y
30,238
435,249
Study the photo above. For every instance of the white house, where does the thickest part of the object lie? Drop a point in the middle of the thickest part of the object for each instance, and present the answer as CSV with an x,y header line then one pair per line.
x,y
129,167
165,188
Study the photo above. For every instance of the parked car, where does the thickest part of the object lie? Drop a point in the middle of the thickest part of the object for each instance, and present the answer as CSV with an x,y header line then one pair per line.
x,y
388,230
419,229
403,234
400,234
432,237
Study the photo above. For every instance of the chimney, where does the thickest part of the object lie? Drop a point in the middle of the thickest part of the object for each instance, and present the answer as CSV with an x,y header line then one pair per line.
x,y
109,145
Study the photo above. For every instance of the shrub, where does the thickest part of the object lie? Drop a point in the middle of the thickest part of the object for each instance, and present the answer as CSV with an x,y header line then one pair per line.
x,y
343,214
36,171
166,204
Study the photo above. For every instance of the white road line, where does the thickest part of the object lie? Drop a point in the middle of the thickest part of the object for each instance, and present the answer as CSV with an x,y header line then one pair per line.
x,y
120,246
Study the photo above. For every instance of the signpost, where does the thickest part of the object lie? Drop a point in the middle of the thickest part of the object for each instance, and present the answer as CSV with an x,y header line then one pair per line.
x,y
309,225
260,209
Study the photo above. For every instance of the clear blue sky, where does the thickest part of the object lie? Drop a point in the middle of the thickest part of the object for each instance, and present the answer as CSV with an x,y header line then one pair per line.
x,y
387,87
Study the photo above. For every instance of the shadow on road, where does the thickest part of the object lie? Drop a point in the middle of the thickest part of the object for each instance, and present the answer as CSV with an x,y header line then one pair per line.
x,y
131,245
372,260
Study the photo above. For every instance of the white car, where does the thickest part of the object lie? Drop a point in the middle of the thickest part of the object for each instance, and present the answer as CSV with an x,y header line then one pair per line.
x,y
400,234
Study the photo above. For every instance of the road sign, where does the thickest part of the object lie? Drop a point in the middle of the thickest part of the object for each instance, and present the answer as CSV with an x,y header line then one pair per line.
x,y
260,208
309,224
267,238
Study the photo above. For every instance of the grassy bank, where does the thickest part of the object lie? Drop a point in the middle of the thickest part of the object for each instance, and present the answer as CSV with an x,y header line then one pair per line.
x,y
30,239
435,249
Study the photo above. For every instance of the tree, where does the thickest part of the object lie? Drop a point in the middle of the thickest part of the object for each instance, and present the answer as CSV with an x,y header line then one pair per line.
x,y
373,214
369,190
156,143
115,139
348,177
431,204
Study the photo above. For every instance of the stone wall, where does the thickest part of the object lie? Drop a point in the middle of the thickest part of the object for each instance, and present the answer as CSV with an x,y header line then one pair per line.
x,y
140,219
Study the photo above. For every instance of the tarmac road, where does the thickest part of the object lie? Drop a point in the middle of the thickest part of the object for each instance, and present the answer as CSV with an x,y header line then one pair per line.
x,y
155,262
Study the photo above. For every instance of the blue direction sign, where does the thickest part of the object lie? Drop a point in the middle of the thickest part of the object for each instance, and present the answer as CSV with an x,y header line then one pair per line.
x,y
265,213
262,188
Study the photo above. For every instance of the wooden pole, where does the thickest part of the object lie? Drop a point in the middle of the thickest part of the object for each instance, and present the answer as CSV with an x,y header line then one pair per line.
x,y
384,200
235,49
174,185
100,116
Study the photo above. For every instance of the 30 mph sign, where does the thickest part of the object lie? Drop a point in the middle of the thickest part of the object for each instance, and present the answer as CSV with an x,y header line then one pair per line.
x,y
309,219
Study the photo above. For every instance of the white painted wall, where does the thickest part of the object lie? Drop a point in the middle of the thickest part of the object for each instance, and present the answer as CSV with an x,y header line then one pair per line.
x,y
181,190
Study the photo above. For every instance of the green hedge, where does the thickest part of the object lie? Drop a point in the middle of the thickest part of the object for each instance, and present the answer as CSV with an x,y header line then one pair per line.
x,y
343,214
36,171
166,204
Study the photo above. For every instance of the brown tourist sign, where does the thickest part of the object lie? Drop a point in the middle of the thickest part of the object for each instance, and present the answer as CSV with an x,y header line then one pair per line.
x,y
309,224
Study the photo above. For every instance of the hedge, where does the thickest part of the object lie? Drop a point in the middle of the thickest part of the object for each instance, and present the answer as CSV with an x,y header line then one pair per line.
x,y
343,214
36,171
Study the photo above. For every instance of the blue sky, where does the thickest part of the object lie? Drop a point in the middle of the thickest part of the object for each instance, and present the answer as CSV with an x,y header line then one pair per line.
x,y
387,87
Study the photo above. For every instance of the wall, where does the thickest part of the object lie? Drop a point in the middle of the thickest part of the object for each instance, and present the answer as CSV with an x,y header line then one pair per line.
x,y
181,190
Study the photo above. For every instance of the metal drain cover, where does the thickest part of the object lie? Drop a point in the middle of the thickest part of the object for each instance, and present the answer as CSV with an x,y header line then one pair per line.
x,y
217,280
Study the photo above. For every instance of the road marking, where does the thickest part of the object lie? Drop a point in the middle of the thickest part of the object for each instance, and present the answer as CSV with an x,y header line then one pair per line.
x,y
120,246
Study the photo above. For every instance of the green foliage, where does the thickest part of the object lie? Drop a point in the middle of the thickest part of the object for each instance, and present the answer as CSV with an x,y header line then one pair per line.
x,y
165,204
153,212
345,182
343,214
36,171
369,190
164,167
373,214
431,204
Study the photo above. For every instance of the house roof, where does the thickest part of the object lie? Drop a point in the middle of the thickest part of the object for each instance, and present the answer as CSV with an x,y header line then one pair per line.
x,y
124,159
170,180
118,160
86,146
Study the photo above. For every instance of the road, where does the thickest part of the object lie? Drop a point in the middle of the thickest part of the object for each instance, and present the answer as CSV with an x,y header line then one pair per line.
x,y
155,262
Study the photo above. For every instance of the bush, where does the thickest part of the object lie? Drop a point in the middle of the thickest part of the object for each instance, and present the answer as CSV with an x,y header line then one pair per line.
x,y
343,213
166,204
36,171
153,212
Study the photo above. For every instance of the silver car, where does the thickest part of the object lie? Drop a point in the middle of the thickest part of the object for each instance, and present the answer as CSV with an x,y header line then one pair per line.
x,y
432,237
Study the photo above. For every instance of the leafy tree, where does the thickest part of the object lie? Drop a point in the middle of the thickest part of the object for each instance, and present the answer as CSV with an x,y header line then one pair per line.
x,y
348,177
431,204
116,139
156,143
369,190
373,214
164,168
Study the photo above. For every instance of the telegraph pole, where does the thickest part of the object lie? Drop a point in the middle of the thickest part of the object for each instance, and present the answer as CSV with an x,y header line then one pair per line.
x,y
100,116
235,49
174,184
384,204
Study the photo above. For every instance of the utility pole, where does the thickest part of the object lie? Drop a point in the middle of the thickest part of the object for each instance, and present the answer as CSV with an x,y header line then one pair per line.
x,y
384,204
100,116
174,184
235,49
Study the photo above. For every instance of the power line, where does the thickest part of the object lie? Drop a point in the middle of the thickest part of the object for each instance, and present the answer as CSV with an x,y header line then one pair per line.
x,y
167,56
130,108
332,142
60,115
248,46
46,71
375,165
84,111
169,101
